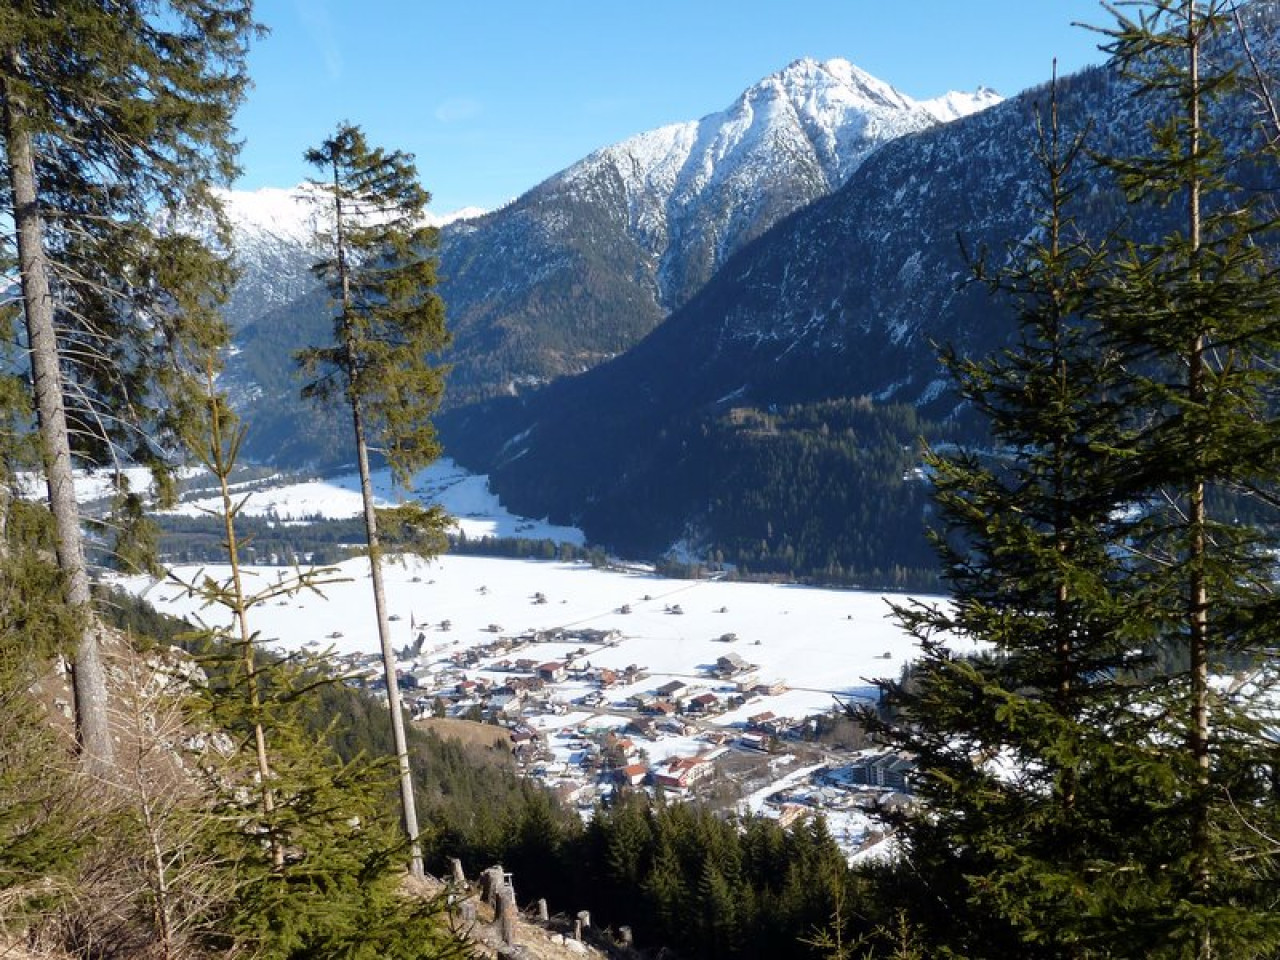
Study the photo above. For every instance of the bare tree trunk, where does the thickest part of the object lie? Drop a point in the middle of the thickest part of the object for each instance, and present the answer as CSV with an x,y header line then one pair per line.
x,y
492,881
6,499
410,810
1197,518
1261,83
506,915
89,675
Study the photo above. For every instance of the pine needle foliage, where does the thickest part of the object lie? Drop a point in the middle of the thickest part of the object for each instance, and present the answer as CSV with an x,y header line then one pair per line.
x,y
1087,788
115,119
308,843
41,836
388,318
1197,313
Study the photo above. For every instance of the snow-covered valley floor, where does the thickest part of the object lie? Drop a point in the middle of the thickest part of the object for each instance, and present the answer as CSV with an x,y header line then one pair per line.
x,y
805,648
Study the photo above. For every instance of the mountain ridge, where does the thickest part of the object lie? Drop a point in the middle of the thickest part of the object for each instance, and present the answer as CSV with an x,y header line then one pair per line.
x,y
581,266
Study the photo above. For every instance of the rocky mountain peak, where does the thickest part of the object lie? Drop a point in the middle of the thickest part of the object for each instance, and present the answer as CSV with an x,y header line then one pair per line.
x,y
956,104
582,266
817,84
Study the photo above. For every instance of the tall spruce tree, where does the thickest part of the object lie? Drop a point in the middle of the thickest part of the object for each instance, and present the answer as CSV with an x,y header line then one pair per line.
x,y
388,326
1010,744
115,116
1197,311
1087,790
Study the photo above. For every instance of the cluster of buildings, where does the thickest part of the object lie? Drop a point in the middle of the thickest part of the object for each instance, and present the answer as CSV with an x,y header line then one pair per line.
x,y
588,731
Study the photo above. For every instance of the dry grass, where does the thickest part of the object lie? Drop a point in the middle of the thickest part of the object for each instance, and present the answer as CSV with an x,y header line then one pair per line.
x,y
468,731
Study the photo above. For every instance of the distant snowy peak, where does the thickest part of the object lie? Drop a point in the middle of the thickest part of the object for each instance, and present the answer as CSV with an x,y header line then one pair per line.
x,y
832,111
274,244
290,214
822,85
293,214
454,216
957,104
694,193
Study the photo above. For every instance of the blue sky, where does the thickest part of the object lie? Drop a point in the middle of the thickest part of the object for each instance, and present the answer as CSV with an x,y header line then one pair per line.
x,y
494,96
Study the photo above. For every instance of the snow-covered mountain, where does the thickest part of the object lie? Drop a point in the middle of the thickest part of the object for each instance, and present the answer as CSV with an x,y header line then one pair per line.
x,y
764,419
579,268
274,230
956,104
585,264
697,192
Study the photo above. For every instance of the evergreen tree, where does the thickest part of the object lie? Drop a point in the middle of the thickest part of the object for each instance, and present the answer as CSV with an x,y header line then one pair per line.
x,y
42,834
1195,312
534,846
115,117
1007,742
1085,790
717,929
388,325
311,857
665,894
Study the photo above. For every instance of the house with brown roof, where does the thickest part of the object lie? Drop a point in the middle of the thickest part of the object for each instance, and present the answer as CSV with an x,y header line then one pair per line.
x,y
680,773
703,703
553,671
632,775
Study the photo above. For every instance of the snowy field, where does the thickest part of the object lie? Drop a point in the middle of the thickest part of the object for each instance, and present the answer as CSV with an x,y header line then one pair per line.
x,y
813,646
819,643
93,485
465,496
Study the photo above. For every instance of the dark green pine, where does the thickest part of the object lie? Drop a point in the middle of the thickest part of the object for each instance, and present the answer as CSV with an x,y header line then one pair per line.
x,y
1194,312
115,120
1087,789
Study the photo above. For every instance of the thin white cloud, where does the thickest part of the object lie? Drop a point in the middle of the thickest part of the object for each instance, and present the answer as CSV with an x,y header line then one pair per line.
x,y
457,109
315,18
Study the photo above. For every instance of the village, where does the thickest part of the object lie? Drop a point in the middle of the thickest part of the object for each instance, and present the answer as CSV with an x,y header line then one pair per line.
x,y
589,731
614,678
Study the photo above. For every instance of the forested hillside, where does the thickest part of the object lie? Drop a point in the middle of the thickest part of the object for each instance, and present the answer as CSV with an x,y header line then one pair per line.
x,y
851,297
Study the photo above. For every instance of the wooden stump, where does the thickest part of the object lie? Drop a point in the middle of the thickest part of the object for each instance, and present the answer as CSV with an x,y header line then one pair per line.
x,y
544,915
506,918
491,883
459,877
581,923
